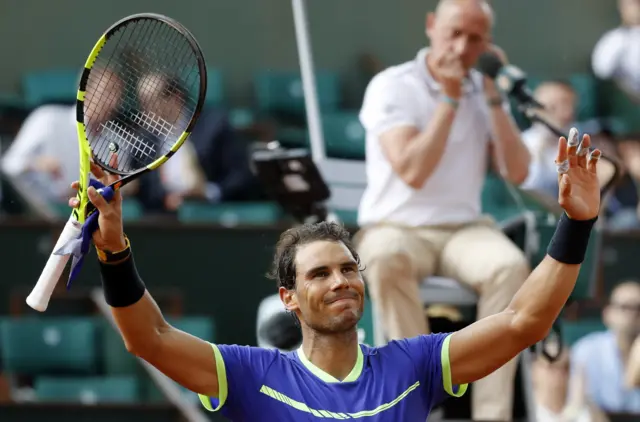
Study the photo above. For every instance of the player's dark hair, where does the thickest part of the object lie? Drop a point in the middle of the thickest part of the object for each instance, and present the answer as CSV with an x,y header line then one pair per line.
x,y
283,269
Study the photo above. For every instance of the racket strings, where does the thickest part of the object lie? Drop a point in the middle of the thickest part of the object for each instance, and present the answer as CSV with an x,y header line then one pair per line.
x,y
141,94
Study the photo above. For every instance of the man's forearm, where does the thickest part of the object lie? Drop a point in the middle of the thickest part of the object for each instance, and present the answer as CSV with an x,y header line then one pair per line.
x,y
425,150
509,150
136,314
541,298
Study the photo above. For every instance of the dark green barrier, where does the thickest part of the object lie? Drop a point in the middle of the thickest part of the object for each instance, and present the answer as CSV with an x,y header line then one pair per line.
x,y
221,271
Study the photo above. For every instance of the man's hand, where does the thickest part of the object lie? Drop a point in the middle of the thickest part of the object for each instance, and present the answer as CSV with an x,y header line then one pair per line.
x,y
110,235
579,192
491,92
449,72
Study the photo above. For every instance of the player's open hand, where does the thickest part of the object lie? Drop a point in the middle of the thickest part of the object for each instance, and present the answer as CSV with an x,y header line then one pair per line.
x,y
110,235
579,192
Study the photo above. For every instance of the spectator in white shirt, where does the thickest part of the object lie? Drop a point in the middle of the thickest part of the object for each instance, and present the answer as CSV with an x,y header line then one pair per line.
x,y
43,158
431,124
165,104
556,398
617,53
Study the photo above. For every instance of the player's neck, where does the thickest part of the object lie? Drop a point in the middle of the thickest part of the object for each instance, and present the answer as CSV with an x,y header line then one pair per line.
x,y
336,354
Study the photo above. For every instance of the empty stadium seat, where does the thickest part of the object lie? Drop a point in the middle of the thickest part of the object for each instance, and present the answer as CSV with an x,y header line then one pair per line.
x,y
230,214
33,345
573,331
344,135
282,91
50,86
241,118
87,390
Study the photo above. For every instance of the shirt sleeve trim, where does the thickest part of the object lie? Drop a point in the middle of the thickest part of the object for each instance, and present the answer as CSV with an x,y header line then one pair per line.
x,y
446,371
223,387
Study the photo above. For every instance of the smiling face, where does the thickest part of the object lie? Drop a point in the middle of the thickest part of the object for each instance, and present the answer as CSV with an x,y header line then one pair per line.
x,y
328,295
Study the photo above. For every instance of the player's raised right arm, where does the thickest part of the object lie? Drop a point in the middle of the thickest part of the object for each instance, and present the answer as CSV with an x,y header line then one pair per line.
x,y
184,358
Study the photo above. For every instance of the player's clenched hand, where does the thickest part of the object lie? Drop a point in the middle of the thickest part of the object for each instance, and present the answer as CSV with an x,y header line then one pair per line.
x,y
110,235
579,192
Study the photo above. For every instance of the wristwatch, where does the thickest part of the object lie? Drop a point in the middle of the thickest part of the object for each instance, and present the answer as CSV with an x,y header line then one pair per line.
x,y
108,257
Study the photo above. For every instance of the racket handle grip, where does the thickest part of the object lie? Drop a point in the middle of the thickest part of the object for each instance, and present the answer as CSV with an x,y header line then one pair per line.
x,y
39,297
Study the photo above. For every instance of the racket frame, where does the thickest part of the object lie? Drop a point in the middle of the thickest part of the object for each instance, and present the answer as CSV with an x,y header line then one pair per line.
x,y
41,293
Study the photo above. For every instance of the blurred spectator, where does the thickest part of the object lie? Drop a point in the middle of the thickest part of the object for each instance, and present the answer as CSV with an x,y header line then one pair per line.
x,y
616,58
430,125
617,53
211,166
44,155
555,399
166,109
559,100
611,359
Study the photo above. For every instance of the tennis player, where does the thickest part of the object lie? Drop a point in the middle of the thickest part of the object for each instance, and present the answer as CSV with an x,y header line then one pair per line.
x,y
331,376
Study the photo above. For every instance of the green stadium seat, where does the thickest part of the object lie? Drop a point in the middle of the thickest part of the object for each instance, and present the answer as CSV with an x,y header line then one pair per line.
x,y
87,390
573,331
33,345
293,137
344,135
282,92
241,118
55,85
586,87
347,217
230,214
497,200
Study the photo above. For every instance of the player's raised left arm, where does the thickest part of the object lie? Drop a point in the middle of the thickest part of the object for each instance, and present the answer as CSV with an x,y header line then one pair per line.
x,y
486,345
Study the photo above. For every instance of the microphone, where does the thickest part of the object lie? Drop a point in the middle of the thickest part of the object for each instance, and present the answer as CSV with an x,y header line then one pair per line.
x,y
509,79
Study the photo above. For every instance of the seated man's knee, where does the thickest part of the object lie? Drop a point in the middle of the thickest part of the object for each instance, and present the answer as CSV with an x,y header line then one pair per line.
x,y
389,267
513,271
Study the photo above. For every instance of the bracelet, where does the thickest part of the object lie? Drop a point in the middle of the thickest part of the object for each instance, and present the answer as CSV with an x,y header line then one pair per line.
x,y
114,257
451,101
121,283
570,240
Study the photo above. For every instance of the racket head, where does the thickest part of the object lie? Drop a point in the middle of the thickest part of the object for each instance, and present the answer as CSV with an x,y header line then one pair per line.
x,y
141,91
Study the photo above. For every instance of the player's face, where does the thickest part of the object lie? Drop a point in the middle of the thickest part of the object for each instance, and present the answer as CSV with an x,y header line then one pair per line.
x,y
329,287
463,28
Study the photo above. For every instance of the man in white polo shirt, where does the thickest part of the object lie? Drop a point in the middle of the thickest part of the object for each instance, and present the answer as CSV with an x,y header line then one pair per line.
x,y
432,124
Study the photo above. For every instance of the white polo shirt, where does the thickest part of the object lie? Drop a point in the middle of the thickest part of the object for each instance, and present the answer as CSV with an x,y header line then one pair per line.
x,y
407,95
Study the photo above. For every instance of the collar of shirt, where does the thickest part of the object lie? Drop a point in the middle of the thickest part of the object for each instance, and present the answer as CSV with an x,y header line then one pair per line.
x,y
469,86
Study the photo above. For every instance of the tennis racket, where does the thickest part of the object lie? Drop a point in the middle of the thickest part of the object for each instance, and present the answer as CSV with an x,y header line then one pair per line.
x,y
140,94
